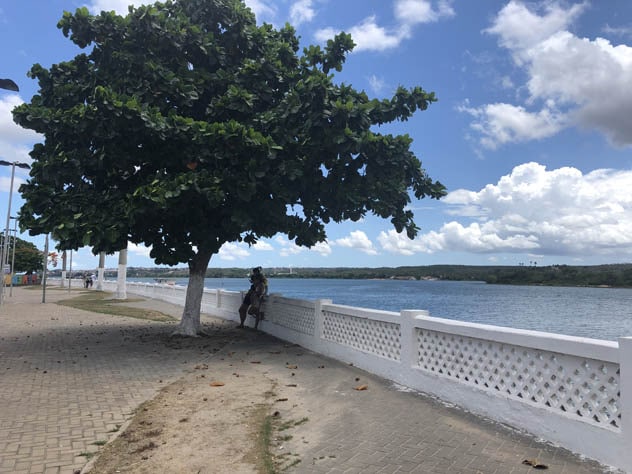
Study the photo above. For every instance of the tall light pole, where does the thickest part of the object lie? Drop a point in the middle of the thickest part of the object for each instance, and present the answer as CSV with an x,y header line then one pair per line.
x,y
45,269
5,247
15,238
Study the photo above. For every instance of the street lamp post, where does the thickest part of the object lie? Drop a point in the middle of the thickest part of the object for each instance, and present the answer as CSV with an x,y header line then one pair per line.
x,y
5,247
15,238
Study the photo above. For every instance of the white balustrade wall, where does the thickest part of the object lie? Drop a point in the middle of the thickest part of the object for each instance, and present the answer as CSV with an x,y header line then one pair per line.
x,y
575,392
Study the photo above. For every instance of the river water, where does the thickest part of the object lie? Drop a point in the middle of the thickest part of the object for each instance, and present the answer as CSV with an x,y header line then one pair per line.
x,y
601,313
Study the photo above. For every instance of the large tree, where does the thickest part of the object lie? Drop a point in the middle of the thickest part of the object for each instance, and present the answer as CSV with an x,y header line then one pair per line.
x,y
185,126
26,257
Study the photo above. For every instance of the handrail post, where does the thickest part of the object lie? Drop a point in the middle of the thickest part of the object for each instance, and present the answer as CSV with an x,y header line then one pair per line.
x,y
625,397
407,341
318,320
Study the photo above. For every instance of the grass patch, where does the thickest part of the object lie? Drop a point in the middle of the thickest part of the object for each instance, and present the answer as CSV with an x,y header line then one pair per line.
x,y
292,464
96,302
87,455
100,443
291,424
269,438
264,442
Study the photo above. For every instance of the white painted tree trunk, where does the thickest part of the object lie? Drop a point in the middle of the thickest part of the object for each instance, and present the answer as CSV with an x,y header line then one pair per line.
x,y
101,271
63,269
190,323
121,276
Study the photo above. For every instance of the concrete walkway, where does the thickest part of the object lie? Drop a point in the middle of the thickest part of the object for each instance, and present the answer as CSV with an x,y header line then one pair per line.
x,y
70,378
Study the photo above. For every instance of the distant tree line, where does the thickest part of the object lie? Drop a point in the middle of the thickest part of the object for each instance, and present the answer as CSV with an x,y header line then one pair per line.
x,y
615,275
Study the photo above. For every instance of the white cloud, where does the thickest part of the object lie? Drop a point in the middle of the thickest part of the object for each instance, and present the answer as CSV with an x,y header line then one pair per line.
x,y
579,81
5,185
370,36
262,246
261,8
357,240
324,34
592,77
498,124
520,29
289,248
264,10
140,250
376,84
119,6
556,212
9,130
232,251
393,242
322,248
410,12
15,142
625,30
301,12
506,82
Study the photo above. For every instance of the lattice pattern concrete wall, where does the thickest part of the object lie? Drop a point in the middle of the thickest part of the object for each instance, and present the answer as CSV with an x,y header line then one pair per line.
x,y
368,335
230,300
296,315
209,299
577,386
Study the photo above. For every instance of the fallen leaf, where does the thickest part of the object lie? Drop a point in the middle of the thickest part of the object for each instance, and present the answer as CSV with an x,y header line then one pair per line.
x,y
216,384
291,385
281,399
361,387
535,464
292,366
255,362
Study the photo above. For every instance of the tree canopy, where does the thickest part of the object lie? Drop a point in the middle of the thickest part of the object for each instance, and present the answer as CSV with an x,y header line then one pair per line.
x,y
27,257
185,125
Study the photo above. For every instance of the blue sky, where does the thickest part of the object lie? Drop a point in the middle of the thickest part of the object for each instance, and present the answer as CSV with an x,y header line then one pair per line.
x,y
532,133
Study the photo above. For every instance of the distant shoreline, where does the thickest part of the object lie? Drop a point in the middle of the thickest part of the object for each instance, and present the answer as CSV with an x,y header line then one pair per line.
x,y
600,276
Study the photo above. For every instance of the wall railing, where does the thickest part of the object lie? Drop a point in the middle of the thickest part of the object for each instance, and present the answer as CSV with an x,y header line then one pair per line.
x,y
572,391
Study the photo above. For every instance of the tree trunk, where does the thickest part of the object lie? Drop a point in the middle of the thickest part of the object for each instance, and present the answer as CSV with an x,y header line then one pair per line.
x,y
121,276
63,269
190,322
101,271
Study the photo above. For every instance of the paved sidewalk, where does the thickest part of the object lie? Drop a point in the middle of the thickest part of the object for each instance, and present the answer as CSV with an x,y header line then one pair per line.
x,y
69,378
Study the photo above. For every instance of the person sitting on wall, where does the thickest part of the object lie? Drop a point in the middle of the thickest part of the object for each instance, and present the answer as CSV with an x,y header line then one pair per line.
x,y
254,297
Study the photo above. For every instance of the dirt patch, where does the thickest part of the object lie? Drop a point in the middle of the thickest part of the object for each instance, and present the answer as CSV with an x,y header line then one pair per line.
x,y
228,415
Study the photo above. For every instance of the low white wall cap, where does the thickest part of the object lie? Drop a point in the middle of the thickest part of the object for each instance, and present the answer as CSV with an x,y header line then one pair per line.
x,y
578,346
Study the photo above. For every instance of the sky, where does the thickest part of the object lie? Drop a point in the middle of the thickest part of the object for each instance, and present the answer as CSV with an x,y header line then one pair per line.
x,y
531,134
